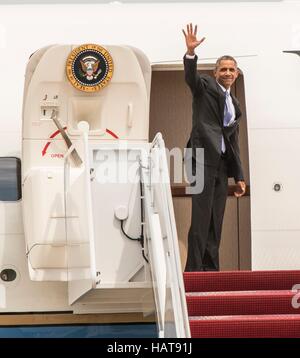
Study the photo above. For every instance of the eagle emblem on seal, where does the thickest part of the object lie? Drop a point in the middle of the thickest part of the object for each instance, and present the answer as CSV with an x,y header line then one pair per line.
x,y
89,67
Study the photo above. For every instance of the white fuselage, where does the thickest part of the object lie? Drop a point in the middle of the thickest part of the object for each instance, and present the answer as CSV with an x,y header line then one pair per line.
x,y
256,34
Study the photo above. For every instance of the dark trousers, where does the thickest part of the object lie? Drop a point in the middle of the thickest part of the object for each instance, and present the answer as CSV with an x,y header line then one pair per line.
x,y
207,218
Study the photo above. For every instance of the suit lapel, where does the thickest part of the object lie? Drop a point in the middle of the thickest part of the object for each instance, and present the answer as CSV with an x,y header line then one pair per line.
x,y
236,107
221,103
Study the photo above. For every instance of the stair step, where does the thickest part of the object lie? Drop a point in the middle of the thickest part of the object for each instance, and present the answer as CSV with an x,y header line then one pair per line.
x,y
240,303
240,280
246,326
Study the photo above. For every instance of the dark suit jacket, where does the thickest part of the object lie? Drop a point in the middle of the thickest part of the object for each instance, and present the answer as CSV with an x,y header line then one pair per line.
x,y
208,113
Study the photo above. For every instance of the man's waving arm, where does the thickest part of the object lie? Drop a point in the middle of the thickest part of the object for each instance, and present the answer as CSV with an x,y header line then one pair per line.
x,y
190,59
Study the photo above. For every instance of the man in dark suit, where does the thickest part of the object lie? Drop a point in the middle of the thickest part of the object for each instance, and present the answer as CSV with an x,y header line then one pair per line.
x,y
216,116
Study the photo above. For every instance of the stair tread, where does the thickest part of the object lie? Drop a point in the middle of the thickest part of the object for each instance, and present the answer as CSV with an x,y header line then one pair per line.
x,y
246,326
261,317
252,293
242,273
240,280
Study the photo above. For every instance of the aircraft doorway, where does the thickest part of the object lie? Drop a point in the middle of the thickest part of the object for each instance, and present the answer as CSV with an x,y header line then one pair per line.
x,y
171,114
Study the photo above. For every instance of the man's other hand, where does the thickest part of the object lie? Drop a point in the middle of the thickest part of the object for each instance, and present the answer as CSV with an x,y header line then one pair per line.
x,y
240,189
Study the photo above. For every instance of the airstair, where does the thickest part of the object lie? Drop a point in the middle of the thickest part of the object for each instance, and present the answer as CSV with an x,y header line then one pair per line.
x,y
96,190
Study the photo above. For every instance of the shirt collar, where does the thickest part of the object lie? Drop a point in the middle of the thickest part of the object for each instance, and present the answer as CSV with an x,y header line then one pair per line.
x,y
223,88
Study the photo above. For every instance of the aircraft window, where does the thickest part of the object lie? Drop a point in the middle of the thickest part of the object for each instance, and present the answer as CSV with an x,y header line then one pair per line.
x,y
10,179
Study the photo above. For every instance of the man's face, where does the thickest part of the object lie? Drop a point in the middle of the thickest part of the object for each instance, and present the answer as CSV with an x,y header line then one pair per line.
x,y
226,73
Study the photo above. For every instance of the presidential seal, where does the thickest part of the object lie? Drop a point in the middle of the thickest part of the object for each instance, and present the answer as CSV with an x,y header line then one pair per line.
x,y
89,67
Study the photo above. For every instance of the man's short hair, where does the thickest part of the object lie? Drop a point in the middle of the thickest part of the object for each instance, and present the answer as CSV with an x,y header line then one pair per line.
x,y
225,57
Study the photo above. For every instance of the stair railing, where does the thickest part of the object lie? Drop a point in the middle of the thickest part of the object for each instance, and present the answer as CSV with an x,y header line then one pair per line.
x,y
162,243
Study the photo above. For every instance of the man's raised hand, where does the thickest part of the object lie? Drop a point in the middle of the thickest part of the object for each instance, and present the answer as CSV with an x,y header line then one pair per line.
x,y
191,38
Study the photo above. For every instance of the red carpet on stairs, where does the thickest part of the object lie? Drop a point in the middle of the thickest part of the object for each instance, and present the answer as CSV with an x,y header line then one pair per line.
x,y
242,304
